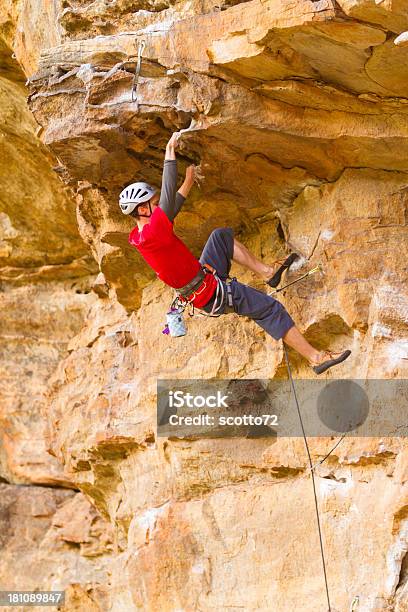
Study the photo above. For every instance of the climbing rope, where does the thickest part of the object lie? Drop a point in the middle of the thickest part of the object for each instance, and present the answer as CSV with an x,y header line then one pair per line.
x,y
313,478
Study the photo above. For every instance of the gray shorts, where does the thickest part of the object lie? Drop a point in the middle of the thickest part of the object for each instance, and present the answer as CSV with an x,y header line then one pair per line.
x,y
267,312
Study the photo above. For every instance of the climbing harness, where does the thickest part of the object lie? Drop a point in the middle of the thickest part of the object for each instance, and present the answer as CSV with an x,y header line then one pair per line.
x,y
229,304
312,474
194,285
226,299
186,294
218,300
197,286
297,280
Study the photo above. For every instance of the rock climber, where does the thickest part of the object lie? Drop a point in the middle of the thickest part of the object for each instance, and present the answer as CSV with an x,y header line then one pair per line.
x,y
204,281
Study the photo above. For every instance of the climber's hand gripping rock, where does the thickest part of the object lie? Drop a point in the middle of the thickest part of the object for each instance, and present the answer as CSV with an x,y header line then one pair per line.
x,y
191,174
174,141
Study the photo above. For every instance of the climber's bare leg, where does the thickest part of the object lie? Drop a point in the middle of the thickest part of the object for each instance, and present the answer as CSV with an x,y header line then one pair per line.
x,y
246,258
294,338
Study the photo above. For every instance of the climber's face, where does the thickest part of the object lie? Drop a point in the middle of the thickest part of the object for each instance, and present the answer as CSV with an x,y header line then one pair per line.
x,y
143,209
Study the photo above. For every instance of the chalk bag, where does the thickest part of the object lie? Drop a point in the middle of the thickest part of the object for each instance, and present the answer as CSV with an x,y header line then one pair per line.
x,y
175,322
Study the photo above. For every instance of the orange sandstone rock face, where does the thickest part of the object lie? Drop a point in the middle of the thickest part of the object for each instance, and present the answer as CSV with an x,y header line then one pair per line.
x,y
44,277
298,117
58,539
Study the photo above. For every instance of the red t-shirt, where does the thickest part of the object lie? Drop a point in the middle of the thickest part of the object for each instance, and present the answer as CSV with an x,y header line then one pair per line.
x,y
169,257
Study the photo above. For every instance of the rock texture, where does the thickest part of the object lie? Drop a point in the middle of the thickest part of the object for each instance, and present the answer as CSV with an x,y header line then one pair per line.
x,y
61,541
297,114
51,536
44,282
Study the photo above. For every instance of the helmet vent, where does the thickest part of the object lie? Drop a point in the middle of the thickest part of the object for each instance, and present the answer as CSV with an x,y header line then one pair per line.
x,y
135,194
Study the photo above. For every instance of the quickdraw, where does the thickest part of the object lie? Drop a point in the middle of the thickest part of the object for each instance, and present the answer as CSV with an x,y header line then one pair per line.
x,y
297,280
137,60
140,49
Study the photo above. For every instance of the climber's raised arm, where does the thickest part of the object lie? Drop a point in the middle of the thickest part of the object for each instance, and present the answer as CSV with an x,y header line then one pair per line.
x,y
188,181
184,189
170,200
168,197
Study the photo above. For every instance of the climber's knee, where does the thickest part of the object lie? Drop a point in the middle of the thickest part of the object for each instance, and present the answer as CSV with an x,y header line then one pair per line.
x,y
222,238
220,233
218,250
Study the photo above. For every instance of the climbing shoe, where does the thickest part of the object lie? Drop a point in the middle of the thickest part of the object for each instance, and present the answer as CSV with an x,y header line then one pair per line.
x,y
330,359
276,278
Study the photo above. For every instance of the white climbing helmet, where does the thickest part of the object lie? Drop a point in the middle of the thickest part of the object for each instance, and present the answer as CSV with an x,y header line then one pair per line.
x,y
133,195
